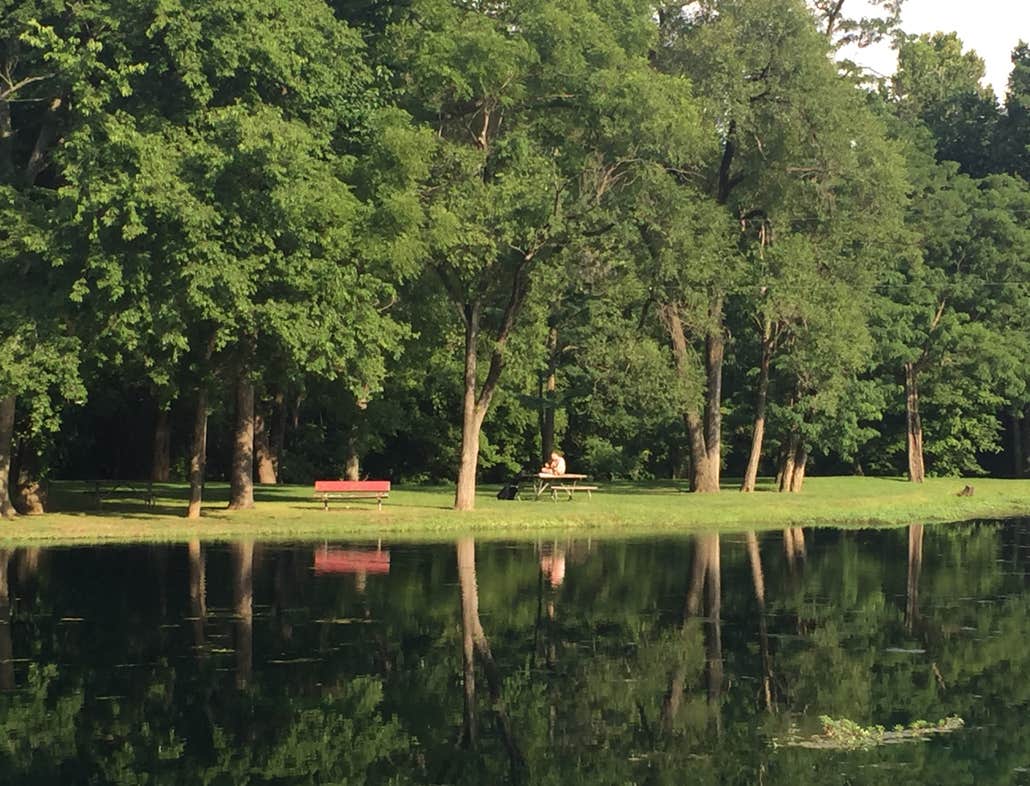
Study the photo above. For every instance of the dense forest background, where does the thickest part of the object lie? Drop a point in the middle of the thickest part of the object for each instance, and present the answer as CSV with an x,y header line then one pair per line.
x,y
432,240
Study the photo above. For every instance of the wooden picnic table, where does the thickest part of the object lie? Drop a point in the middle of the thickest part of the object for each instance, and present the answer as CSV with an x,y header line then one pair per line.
x,y
567,483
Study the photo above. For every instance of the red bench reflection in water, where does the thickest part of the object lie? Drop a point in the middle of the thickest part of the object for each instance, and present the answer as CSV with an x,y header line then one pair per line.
x,y
351,561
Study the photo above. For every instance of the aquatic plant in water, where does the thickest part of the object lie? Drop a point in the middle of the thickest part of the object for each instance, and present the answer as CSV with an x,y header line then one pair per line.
x,y
845,734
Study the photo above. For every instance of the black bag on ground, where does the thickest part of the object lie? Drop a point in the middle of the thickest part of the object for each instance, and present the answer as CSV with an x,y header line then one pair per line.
x,y
509,490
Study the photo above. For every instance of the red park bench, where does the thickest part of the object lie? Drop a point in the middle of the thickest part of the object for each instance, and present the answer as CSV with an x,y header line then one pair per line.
x,y
352,489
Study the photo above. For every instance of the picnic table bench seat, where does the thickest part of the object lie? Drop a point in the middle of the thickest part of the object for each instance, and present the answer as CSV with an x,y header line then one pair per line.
x,y
123,489
571,489
352,489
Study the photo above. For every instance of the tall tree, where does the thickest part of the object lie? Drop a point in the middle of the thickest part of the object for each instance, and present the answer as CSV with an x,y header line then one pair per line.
x,y
939,84
537,109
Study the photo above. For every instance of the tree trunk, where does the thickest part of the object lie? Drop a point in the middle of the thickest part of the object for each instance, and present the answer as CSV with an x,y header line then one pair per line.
x,y
1018,426
471,418
7,404
352,466
913,426
198,455
704,477
161,464
30,496
789,457
1026,440
758,430
550,386
800,463
278,434
243,604
241,482
263,452
715,350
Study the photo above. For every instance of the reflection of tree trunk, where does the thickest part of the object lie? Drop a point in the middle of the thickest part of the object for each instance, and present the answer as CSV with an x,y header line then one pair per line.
x,y
198,593
474,642
915,567
263,451
243,603
913,426
705,574
6,639
7,405
241,479
198,454
794,546
161,462
758,579
713,615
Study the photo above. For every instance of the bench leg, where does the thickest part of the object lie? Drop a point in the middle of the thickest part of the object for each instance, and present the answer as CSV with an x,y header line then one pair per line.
x,y
379,504
325,502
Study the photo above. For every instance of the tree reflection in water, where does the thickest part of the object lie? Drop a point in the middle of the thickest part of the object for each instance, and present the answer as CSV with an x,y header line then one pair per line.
x,y
648,661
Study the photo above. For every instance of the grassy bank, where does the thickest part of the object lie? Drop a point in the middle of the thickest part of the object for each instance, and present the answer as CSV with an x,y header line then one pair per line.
x,y
417,513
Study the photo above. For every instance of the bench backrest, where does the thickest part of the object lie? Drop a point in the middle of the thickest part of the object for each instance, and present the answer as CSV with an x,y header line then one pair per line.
x,y
352,485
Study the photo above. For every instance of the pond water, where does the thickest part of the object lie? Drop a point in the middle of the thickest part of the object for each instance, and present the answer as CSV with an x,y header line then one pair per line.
x,y
695,659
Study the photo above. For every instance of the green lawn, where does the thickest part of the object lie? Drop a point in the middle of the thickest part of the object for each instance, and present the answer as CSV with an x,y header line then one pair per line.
x,y
424,512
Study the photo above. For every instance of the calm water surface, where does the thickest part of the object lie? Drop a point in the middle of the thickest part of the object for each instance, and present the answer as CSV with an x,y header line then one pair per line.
x,y
684,660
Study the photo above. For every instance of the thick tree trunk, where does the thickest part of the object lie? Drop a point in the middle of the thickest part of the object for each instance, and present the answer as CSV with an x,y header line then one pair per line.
x,y
913,426
278,442
243,604
241,481
704,471
1018,458
352,466
7,405
790,453
800,463
472,414
161,463
263,452
1026,440
198,455
30,497
550,387
715,350
758,429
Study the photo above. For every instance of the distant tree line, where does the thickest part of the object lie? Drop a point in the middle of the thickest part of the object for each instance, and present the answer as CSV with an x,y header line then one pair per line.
x,y
432,240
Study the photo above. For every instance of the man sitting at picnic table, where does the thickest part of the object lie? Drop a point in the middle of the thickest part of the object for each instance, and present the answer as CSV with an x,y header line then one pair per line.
x,y
556,466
